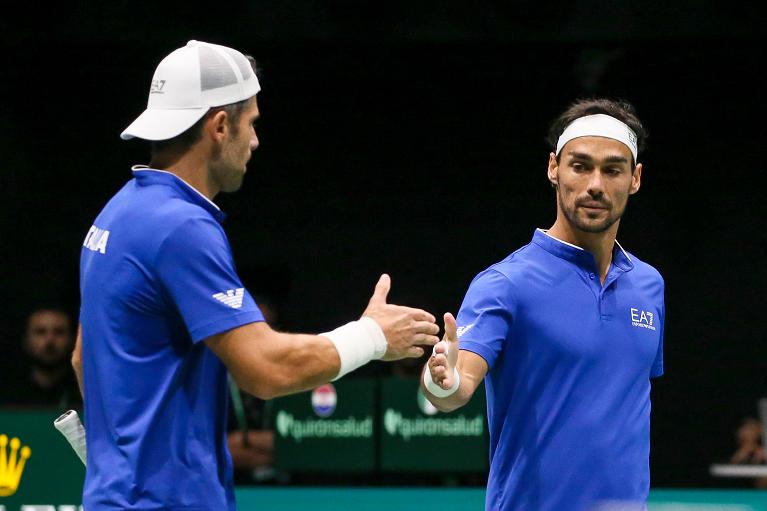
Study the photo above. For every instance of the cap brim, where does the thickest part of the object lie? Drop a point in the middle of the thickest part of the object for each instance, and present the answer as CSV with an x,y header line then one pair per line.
x,y
157,124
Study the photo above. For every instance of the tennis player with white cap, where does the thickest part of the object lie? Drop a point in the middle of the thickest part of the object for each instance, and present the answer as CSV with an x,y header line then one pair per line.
x,y
566,333
164,314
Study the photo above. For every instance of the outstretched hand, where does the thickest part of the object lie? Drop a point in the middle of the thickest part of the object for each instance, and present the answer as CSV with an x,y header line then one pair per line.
x,y
445,355
405,328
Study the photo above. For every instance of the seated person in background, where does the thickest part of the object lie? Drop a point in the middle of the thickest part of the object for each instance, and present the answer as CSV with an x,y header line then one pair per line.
x,y
48,380
251,441
750,449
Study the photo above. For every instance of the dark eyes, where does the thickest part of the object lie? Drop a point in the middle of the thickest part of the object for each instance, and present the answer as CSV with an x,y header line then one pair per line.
x,y
580,167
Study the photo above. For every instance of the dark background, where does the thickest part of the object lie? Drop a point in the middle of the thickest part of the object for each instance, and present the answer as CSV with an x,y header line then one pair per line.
x,y
409,138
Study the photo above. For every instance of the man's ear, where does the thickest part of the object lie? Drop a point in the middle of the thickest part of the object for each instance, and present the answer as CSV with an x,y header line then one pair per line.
x,y
636,179
217,126
553,170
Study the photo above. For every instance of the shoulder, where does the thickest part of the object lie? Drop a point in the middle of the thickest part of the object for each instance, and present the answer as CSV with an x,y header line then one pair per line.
x,y
647,280
645,271
154,213
517,265
506,274
190,233
181,217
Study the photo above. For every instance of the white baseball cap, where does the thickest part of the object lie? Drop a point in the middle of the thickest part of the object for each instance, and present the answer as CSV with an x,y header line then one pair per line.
x,y
187,83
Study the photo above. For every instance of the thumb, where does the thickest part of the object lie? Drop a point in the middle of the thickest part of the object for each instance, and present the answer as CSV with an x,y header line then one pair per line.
x,y
381,291
451,337
451,329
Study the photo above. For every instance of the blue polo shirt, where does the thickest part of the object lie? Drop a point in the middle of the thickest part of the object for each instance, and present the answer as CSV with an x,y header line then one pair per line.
x,y
156,278
568,386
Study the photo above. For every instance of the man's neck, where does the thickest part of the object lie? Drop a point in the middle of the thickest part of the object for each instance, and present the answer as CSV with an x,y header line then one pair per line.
x,y
191,166
600,244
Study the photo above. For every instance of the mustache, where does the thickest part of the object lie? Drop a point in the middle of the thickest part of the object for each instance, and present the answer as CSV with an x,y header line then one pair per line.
x,y
591,202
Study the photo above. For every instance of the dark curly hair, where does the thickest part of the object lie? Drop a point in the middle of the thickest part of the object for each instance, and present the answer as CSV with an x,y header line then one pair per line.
x,y
618,108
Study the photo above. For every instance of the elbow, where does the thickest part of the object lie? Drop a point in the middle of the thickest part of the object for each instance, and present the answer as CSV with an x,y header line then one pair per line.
x,y
267,387
262,390
266,392
277,384
77,362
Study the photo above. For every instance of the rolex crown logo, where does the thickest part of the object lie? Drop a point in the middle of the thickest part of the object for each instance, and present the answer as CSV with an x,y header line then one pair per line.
x,y
11,464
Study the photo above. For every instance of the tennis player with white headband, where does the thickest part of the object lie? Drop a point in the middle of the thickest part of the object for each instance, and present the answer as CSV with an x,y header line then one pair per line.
x,y
566,333
164,314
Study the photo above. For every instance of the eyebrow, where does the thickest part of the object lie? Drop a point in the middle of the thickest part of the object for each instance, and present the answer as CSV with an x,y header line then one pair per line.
x,y
588,157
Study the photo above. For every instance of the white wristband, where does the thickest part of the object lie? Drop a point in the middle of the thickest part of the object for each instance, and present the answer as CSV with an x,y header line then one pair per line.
x,y
357,343
438,391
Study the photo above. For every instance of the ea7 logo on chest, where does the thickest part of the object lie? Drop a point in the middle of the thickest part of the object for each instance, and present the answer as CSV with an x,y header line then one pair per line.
x,y
96,239
642,319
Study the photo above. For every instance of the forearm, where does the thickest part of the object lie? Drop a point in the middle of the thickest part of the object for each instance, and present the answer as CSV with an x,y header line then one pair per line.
x,y
456,400
290,363
268,364
471,369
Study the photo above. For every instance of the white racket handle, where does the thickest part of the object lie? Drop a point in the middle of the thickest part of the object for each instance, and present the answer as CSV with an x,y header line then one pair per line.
x,y
70,426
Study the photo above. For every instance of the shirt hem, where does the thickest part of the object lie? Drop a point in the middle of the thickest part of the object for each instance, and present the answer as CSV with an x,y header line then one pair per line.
x,y
221,325
478,349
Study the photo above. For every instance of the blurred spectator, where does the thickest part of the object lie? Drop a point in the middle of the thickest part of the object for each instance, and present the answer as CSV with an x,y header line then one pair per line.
x,y
750,447
749,438
47,380
250,438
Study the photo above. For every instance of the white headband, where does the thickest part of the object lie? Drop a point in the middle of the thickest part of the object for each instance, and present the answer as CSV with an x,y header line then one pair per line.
x,y
599,125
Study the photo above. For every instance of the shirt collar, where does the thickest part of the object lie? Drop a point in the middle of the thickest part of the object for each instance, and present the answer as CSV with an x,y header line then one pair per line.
x,y
577,255
148,176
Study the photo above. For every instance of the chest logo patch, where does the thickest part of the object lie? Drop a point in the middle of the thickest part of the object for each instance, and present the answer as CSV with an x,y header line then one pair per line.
x,y
231,297
642,319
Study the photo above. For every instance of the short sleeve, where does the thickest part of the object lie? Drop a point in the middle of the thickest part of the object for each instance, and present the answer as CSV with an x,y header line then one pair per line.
x,y
657,365
484,321
195,266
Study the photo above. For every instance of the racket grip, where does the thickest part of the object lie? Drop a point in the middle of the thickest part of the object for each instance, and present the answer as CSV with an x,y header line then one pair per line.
x,y
70,426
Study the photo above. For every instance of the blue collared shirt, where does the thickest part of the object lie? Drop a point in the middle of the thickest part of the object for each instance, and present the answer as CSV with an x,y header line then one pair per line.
x,y
156,278
568,386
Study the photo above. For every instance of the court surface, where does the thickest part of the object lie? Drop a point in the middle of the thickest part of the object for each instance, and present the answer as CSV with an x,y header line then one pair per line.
x,y
420,499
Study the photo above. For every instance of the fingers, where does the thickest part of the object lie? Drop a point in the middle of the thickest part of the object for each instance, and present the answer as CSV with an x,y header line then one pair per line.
x,y
451,329
420,315
425,340
440,348
424,333
425,327
414,352
439,371
439,355
381,290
